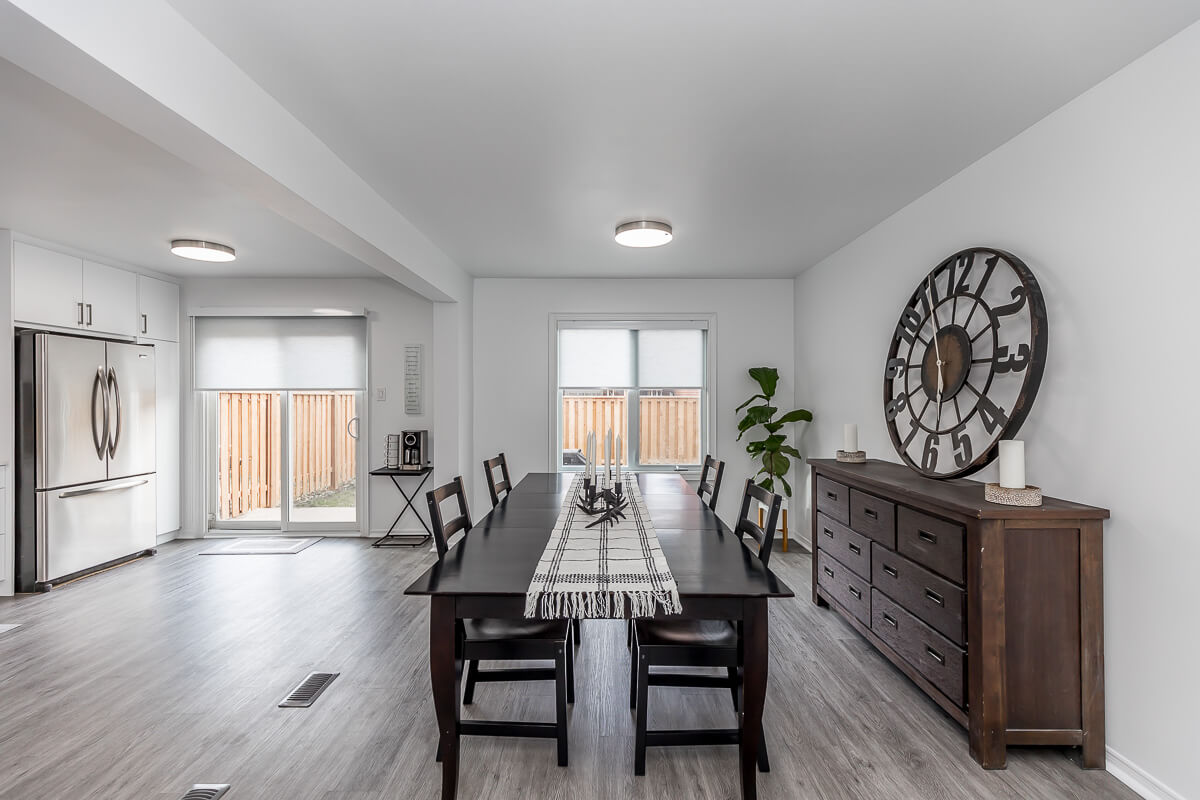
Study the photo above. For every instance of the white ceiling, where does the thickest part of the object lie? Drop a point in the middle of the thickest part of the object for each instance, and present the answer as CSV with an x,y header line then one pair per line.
x,y
71,175
517,134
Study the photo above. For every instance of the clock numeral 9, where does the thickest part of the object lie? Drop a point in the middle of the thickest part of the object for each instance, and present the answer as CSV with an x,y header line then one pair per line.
x,y
962,446
898,404
894,368
992,415
1012,362
930,456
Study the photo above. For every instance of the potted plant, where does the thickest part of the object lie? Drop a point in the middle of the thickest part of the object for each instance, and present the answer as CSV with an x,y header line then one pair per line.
x,y
772,450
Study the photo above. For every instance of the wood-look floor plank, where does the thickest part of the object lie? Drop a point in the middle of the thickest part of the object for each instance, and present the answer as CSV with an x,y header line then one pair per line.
x,y
141,681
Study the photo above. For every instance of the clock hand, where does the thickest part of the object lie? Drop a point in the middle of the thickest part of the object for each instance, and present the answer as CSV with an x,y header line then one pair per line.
x,y
937,351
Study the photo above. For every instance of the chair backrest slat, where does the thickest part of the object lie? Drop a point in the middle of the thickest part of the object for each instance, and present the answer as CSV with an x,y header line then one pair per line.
x,y
496,487
710,480
444,528
748,526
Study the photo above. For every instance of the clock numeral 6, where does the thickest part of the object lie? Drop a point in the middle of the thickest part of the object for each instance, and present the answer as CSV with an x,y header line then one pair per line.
x,y
1012,362
992,415
930,456
894,368
962,446
898,404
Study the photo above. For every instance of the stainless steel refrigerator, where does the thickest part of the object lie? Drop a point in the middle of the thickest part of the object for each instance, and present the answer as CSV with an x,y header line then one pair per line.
x,y
85,493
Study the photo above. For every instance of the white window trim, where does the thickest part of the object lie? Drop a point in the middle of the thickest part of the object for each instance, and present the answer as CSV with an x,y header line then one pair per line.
x,y
707,320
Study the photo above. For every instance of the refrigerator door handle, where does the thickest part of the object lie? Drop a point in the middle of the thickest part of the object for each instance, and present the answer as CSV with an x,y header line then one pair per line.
x,y
100,437
115,439
116,487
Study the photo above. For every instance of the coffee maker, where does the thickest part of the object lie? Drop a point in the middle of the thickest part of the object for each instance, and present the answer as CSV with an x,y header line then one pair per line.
x,y
414,449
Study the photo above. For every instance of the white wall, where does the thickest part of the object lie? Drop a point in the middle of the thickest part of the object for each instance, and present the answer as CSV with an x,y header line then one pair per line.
x,y
1101,199
396,317
512,340
7,420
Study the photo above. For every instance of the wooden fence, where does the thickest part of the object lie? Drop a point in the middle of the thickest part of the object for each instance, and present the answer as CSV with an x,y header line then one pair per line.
x,y
249,448
669,425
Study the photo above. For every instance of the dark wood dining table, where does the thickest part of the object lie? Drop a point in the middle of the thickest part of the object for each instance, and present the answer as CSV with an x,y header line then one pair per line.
x,y
488,572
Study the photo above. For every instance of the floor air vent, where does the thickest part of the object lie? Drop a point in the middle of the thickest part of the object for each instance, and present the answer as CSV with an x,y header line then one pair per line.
x,y
309,690
206,791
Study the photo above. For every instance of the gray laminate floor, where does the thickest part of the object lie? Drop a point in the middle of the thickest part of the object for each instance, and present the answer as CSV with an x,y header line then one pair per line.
x,y
141,681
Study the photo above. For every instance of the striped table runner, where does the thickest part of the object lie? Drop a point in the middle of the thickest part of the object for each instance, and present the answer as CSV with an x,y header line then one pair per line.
x,y
607,572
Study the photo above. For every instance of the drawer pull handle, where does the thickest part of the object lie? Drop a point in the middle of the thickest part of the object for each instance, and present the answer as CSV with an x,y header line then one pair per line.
x,y
935,655
890,621
856,549
827,571
926,536
857,594
829,533
871,513
930,594
831,495
891,571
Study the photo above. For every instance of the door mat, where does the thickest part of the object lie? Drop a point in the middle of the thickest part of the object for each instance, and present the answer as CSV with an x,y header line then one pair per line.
x,y
261,546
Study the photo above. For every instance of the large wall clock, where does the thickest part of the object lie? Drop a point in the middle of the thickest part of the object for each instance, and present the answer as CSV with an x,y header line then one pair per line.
x,y
965,362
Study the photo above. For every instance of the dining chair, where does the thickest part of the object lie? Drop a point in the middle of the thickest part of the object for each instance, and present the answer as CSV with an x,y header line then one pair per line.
x,y
711,487
697,643
496,487
505,639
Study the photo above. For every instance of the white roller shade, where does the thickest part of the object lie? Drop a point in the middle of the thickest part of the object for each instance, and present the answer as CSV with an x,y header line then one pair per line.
x,y
259,353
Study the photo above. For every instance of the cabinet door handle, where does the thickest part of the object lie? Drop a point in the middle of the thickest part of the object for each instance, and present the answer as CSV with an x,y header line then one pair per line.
x,y
89,313
143,323
855,549
933,596
80,307
889,620
857,594
828,533
827,571
935,655
926,536
891,571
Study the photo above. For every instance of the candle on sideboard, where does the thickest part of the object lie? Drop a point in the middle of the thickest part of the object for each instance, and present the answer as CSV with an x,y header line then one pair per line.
x,y
1012,464
850,438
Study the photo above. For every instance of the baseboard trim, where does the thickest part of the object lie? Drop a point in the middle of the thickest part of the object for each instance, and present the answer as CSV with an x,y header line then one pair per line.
x,y
163,538
1137,778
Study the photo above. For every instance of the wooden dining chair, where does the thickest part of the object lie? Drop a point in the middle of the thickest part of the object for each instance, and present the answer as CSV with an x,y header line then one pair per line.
x,y
506,640
496,487
711,487
697,643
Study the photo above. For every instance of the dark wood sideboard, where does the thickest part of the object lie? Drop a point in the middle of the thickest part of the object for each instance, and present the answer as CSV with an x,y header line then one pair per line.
x,y
996,612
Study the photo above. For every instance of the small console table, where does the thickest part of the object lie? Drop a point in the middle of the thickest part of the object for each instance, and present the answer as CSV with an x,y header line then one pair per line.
x,y
390,539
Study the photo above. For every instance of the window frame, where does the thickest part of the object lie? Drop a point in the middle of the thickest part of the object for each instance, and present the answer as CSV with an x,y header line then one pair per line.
x,y
708,393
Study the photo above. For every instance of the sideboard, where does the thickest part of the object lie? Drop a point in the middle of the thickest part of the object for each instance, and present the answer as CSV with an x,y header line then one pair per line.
x,y
996,612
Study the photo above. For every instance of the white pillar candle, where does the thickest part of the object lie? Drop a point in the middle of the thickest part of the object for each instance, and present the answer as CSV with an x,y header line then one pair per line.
x,y
850,438
1012,464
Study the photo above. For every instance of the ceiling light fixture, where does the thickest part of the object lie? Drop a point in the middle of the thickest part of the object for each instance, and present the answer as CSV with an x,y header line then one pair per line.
x,y
644,233
202,251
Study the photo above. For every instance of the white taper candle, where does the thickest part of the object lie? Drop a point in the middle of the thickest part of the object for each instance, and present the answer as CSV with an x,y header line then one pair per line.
x,y
1012,464
850,438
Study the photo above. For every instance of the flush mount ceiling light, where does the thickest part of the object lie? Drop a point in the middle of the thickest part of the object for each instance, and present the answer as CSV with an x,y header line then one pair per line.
x,y
202,251
643,233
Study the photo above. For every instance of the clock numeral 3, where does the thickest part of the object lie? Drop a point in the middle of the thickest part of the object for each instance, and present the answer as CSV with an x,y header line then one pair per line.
x,y
1012,362
897,405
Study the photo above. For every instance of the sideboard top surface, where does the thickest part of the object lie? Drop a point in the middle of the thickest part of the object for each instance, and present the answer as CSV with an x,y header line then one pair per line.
x,y
960,495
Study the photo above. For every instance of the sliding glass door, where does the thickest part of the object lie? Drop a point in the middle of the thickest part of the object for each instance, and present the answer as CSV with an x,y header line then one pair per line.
x,y
323,447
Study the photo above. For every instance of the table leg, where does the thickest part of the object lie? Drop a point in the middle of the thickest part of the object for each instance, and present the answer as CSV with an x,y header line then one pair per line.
x,y
446,687
754,690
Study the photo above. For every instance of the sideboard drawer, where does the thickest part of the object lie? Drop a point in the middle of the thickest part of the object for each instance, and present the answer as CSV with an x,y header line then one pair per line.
x,y
834,499
934,600
850,548
937,658
851,591
937,544
873,517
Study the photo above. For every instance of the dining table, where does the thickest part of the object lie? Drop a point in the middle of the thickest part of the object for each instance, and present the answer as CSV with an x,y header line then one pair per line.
x,y
488,572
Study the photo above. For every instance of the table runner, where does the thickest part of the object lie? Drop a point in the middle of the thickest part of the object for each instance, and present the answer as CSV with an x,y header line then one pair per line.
x,y
593,573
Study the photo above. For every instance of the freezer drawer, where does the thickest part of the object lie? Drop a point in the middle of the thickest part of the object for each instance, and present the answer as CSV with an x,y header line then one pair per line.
x,y
85,526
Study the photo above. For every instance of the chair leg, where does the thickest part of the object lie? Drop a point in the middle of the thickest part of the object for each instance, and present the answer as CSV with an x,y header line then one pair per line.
x,y
560,697
734,683
570,675
469,692
764,763
575,630
639,742
438,755
633,675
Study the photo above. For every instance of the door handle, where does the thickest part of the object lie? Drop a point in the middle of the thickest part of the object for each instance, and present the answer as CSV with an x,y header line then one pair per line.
x,y
114,488
353,434
88,306
116,393
99,438
143,323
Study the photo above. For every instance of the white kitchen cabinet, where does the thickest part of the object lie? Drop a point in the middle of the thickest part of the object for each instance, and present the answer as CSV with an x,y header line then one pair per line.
x,y
166,433
47,287
158,308
109,299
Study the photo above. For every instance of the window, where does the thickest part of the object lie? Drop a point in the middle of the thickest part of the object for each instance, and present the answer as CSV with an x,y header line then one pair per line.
x,y
646,380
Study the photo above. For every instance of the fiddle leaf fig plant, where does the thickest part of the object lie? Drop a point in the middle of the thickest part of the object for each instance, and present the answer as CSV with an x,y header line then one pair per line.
x,y
772,450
